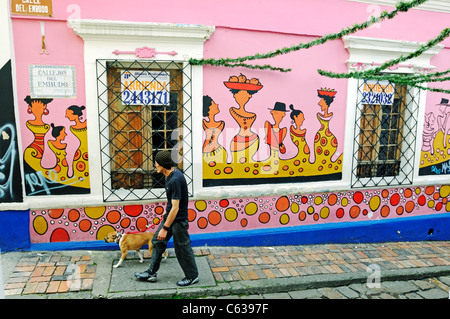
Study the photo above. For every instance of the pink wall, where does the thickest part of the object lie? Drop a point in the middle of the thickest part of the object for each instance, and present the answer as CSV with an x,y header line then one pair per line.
x,y
288,16
63,48
298,87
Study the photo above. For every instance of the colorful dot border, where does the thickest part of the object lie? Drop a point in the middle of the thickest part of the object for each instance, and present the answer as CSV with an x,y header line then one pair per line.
x,y
217,215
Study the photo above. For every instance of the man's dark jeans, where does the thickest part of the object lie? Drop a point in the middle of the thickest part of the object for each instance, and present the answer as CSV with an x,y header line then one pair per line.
x,y
182,246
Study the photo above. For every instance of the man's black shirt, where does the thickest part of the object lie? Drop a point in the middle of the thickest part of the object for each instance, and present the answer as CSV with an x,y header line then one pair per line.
x,y
176,188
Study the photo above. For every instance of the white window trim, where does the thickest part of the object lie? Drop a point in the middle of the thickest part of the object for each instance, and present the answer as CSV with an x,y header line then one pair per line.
x,y
101,38
431,5
367,53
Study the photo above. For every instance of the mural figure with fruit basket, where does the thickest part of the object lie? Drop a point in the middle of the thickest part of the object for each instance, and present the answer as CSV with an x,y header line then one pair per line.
x,y
243,162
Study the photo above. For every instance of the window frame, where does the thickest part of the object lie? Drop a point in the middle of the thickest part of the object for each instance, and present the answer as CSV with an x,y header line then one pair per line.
x,y
366,53
110,193
406,146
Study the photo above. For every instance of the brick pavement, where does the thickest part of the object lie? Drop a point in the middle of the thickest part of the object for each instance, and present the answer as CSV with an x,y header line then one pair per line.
x,y
236,263
74,271
50,273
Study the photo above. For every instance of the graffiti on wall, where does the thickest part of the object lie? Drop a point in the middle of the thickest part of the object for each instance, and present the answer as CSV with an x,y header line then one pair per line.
x,y
290,157
435,155
230,214
10,180
48,166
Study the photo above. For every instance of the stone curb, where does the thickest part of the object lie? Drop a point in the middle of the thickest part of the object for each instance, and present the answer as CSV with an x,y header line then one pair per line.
x,y
262,286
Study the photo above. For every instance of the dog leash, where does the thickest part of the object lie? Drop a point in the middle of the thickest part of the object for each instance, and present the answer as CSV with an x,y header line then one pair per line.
x,y
141,231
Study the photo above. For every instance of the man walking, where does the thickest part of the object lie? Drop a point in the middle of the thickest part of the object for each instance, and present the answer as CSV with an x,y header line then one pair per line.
x,y
174,223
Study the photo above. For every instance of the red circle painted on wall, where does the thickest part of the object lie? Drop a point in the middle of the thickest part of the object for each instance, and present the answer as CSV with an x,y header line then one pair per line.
x,y
395,199
358,197
59,235
133,210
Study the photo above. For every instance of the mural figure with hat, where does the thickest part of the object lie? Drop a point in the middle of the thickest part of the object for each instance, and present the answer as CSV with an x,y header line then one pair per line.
x,y
275,135
435,153
246,143
443,119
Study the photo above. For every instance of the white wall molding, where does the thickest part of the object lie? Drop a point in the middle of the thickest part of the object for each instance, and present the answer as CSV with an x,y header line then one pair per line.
x,y
431,5
366,53
105,29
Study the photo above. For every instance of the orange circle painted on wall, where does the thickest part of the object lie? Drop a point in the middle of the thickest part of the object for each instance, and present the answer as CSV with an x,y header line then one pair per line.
x,y
302,215
159,210
385,210
55,213
113,216
85,225
409,206
429,190
214,218
202,223
332,199
264,218
125,223
191,215
141,223
408,192
73,215
282,204
354,211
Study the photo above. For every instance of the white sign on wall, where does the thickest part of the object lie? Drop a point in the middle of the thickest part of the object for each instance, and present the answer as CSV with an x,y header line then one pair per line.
x,y
145,87
378,92
52,81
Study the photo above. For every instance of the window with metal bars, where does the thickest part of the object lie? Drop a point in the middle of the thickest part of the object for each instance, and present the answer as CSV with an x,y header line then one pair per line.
x,y
144,108
385,131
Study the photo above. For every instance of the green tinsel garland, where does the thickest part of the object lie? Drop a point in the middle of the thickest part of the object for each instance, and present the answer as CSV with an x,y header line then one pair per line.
x,y
405,80
237,62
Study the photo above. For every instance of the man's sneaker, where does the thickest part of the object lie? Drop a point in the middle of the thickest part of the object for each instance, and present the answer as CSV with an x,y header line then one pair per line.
x,y
145,276
186,282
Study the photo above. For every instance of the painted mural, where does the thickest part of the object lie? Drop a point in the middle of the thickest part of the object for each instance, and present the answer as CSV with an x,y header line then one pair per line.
x,y
435,155
10,177
49,167
208,216
289,159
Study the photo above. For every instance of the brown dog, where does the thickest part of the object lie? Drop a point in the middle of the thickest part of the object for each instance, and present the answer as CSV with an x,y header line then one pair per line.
x,y
131,242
